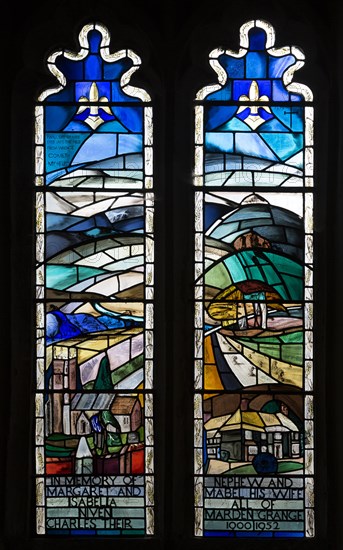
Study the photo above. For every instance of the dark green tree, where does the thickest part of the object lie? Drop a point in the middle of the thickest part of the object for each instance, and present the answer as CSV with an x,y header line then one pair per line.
x,y
103,381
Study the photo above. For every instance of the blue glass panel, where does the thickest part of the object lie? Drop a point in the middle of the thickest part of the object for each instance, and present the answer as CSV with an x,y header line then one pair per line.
x,y
63,96
219,141
72,71
94,38
235,124
97,146
251,214
77,125
84,225
264,87
112,126
52,177
216,116
222,231
93,67
279,91
251,163
130,225
224,94
233,162
256,223
60,221
113,71
272,125
296,97
241,87
278,65
285,217
252,144
284,145
60,149
291,116
134,161
214,163
233,66
131,118
204,447
57,117
114,163
86,322
212,213
256,65
257,39
119,95
130,143
82,89
263,113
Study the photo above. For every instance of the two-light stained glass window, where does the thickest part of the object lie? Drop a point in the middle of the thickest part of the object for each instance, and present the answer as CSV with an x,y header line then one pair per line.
x,y
94,295
253,345
253,297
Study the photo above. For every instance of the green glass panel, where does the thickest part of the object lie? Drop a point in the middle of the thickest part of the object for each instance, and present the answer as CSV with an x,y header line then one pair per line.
x,y
218,276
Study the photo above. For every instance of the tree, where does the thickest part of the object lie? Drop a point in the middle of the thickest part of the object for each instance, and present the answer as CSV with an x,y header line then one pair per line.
x,y
103,380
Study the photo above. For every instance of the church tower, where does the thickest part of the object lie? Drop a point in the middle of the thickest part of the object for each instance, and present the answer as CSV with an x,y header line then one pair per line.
x,y
63,383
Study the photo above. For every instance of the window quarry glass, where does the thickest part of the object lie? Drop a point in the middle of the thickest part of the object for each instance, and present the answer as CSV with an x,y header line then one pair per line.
x,y
253,401
94,295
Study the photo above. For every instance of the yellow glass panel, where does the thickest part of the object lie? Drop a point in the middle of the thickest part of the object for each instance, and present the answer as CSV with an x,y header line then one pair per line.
x,y
208,351
211,378
84,355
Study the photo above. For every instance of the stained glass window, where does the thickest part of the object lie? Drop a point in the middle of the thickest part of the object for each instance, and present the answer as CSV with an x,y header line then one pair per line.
x,y
94,295
253,344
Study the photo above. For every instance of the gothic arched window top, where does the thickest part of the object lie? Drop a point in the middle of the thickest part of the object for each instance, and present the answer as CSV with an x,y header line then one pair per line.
x,y
253,183
256,59
95,62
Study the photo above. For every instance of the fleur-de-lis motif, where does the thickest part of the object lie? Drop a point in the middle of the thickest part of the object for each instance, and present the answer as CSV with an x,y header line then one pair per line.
x,y
94,118
253,118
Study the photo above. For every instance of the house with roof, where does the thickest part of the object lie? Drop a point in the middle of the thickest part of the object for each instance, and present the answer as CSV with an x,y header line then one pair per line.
x,y
105,426
84,406
126,410
241,435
